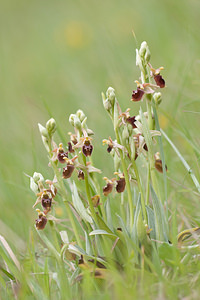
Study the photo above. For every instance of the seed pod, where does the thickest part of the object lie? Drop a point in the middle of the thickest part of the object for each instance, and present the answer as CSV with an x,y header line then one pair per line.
x,y
41,222
46,202
137,95
87,148
61,154
68,170
81,175
107,189
121,183
159,81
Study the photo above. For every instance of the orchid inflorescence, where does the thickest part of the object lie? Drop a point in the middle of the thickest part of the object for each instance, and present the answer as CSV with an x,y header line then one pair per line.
x,y
133,148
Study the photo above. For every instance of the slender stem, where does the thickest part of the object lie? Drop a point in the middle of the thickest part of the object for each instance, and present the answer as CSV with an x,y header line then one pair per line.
x,y
87,187
93,178
148,181
64,195
126,178
139,185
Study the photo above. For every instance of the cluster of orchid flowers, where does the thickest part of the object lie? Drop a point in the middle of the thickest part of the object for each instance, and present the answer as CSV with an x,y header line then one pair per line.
x,y
80,144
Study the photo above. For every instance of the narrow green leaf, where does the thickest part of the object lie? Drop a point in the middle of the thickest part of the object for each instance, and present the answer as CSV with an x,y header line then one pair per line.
x,y
188,168
151,222
103,232
108,214
160,221
88,247
78,204
8,274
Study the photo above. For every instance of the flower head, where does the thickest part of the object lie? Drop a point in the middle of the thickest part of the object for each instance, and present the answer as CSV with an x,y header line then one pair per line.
x,y
41,222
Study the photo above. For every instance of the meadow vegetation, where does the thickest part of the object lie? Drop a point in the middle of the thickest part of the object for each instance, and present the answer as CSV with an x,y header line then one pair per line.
x,y
112,220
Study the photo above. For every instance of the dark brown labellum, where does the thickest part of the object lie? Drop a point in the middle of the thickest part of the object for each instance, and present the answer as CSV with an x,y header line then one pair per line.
x,y
158,165
61,155
159,81
145,147
87,148
81,175
121,183
68,170
41,222
137,95
70,149
119,228
109,149
131,120
107,189
46,202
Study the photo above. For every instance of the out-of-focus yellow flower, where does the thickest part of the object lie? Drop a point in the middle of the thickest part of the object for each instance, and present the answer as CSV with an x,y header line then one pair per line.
x,y
163,121
59,211
77,34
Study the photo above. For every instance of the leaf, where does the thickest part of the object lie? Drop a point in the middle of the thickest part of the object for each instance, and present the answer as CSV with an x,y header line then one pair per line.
x,y
103,225
160,221
188,168
78,204
103,232
168,253
64,237
87,244
151,222
8,274
108,214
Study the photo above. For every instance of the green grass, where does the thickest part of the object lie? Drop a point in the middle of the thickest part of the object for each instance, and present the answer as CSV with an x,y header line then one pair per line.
x,y
57,57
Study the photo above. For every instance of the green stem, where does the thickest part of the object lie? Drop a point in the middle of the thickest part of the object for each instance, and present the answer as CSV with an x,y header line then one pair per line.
x,y
64,195
128,187
139,185
87,187
148,185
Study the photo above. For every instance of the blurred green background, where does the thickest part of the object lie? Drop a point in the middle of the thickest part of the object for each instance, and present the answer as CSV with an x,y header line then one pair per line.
x,y
61,55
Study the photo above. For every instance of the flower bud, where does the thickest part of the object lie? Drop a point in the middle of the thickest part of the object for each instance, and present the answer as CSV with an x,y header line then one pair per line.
x,y
43,131
80,114
157,98
33,186
51,126
110,94
143,49
77,123
37,177
71,119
